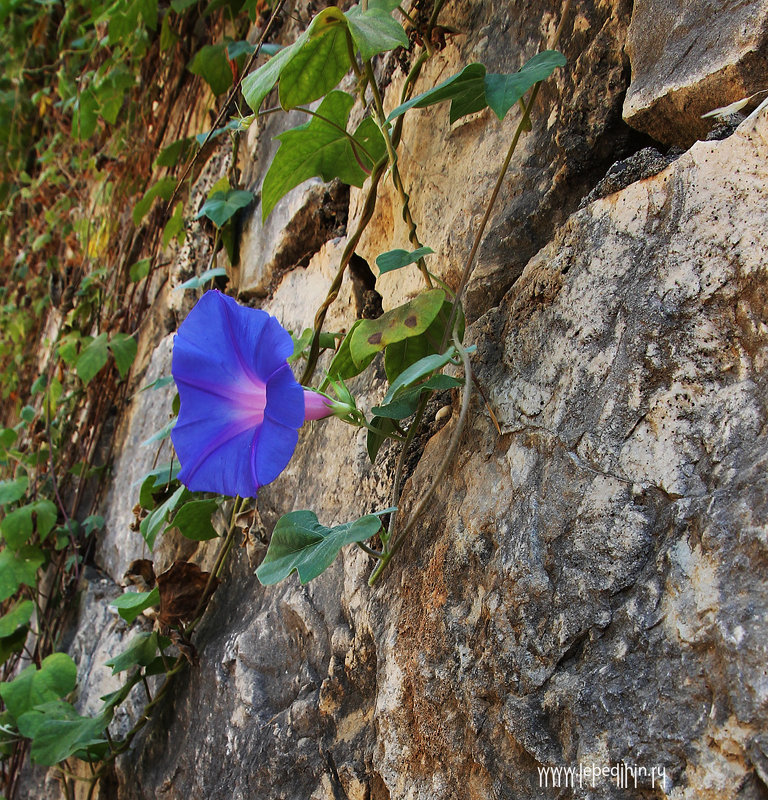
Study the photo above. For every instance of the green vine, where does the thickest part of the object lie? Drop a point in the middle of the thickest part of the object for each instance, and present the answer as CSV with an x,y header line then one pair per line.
x,y
73,112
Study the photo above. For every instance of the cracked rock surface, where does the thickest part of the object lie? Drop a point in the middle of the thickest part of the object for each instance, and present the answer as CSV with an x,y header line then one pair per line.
x,y
589,587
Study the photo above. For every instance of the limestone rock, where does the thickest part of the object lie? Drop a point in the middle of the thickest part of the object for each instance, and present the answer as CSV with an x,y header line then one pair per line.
x,y
450,171
690,58
590,586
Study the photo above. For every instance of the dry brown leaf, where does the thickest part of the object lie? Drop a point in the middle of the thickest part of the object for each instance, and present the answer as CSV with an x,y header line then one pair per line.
x,y
181,591
140,573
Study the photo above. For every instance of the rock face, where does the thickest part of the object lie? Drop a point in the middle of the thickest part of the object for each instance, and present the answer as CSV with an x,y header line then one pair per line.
x,y
690,58
587,587
450,172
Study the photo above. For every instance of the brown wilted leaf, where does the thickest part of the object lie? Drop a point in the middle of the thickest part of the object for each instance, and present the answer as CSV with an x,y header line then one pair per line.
x,y
181,590
140,573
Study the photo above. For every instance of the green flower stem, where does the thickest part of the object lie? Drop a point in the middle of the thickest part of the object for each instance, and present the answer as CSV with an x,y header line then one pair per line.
x,y
523,125
406,15
369,550
346,257
423,503
438,7
397,486
368,209
397,180
221,558
352,57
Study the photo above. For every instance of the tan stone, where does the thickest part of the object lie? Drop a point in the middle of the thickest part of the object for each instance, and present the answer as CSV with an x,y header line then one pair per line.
x,y
690,58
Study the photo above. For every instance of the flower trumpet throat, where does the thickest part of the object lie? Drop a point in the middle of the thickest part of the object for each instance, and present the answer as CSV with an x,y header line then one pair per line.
x,y
241,406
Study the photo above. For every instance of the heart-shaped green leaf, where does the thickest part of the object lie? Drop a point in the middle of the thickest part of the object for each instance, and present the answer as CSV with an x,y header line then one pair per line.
x,y
466,91
322,148
11,491
92,359
17,526
16,618
411,319
123,347
131,604
301,543
503,91
56,677
220,207
57,732
375,31
193,519
18,568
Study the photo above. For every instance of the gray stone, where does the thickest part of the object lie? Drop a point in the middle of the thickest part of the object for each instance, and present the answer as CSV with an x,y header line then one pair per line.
x,y
586,588
450,171
637,167
589,587
690,58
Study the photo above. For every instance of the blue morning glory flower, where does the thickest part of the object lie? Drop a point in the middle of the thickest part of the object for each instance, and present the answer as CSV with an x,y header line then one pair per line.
x,y
241,407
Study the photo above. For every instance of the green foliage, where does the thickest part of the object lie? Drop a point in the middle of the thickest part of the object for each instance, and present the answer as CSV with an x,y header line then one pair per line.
x,y
162,434
140,269
400,355
303,342
319,65
13,490
140,653
343,366
57,732
299,542
67,116
473,90
316,62
406,401
16,618
92,359
381,428
17,526
374,31
56,677
174,228
163,189
220,207
206,277
503,91
403,322
155,521
211,64
19,569
193,520
124,349
322,148
397,259
131,604
417,371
